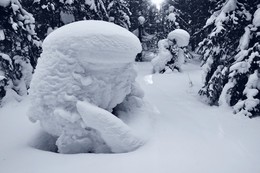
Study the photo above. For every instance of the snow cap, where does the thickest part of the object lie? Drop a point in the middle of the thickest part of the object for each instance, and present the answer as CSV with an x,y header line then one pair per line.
x,y
141,20
94,42
181,36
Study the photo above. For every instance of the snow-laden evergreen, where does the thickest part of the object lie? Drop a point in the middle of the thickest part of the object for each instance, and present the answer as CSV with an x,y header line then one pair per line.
x,y
171,53
19,50
231,55
52,14
87,63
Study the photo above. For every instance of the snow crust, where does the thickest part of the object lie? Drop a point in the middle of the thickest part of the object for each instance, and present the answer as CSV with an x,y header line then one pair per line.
x,y
83,62
94,40
181,36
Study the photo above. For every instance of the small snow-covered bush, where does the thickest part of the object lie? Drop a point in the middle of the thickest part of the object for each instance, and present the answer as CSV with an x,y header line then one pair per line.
x,y
85,72
171,54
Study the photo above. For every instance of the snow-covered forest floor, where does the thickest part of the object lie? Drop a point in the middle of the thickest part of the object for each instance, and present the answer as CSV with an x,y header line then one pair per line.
x,y
184,135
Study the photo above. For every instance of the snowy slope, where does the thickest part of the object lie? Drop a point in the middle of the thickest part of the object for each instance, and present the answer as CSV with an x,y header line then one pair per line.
x,y
187,136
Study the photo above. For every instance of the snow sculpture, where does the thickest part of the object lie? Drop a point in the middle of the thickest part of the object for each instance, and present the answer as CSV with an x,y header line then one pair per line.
x,y
171,53
85,73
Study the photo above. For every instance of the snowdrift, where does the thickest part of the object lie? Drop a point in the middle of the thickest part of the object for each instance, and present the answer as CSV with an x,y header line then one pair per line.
x,y
88,62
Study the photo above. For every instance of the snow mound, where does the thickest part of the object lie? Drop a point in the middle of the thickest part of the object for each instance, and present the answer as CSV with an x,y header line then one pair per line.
x,y
181,36
94,40
77,66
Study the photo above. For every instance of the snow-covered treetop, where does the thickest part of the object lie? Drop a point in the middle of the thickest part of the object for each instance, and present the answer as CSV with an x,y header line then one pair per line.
x,y
96,41
181,36
172,17
141,20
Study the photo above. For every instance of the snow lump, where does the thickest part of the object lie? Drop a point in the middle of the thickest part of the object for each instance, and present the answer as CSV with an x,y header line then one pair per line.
x,y
85,74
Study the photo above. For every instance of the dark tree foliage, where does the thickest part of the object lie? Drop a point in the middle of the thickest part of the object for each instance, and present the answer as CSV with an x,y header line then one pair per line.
x,y
231,56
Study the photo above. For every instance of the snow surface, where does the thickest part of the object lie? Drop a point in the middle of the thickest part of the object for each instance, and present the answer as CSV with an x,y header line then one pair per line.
x,y
70,71
186,136
181,36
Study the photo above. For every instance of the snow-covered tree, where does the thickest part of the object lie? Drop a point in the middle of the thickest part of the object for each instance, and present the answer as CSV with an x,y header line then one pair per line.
x,y
19,49
230,55
52,14
171,55
194,14
119,13
74,96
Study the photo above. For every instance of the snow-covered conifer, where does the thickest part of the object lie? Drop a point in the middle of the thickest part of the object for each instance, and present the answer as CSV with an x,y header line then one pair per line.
x,y
119,10
52,14
231,56
85,74
19,48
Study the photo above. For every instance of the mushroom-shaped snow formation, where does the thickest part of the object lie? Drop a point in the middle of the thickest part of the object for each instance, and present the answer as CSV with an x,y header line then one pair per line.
x,y
85,73
181,36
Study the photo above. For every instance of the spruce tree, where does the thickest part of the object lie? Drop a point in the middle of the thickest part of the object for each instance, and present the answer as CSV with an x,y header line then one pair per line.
x,y
119,13
52,14
243,88
19,49
230,56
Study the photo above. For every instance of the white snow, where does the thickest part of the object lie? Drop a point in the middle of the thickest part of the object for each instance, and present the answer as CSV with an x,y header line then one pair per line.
x,y
172,17
66,17
117,135
164,55
87,64
251,90
2,35
141,20
187,136
256,20
96,36
245,39
220,16
181,36
5,3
